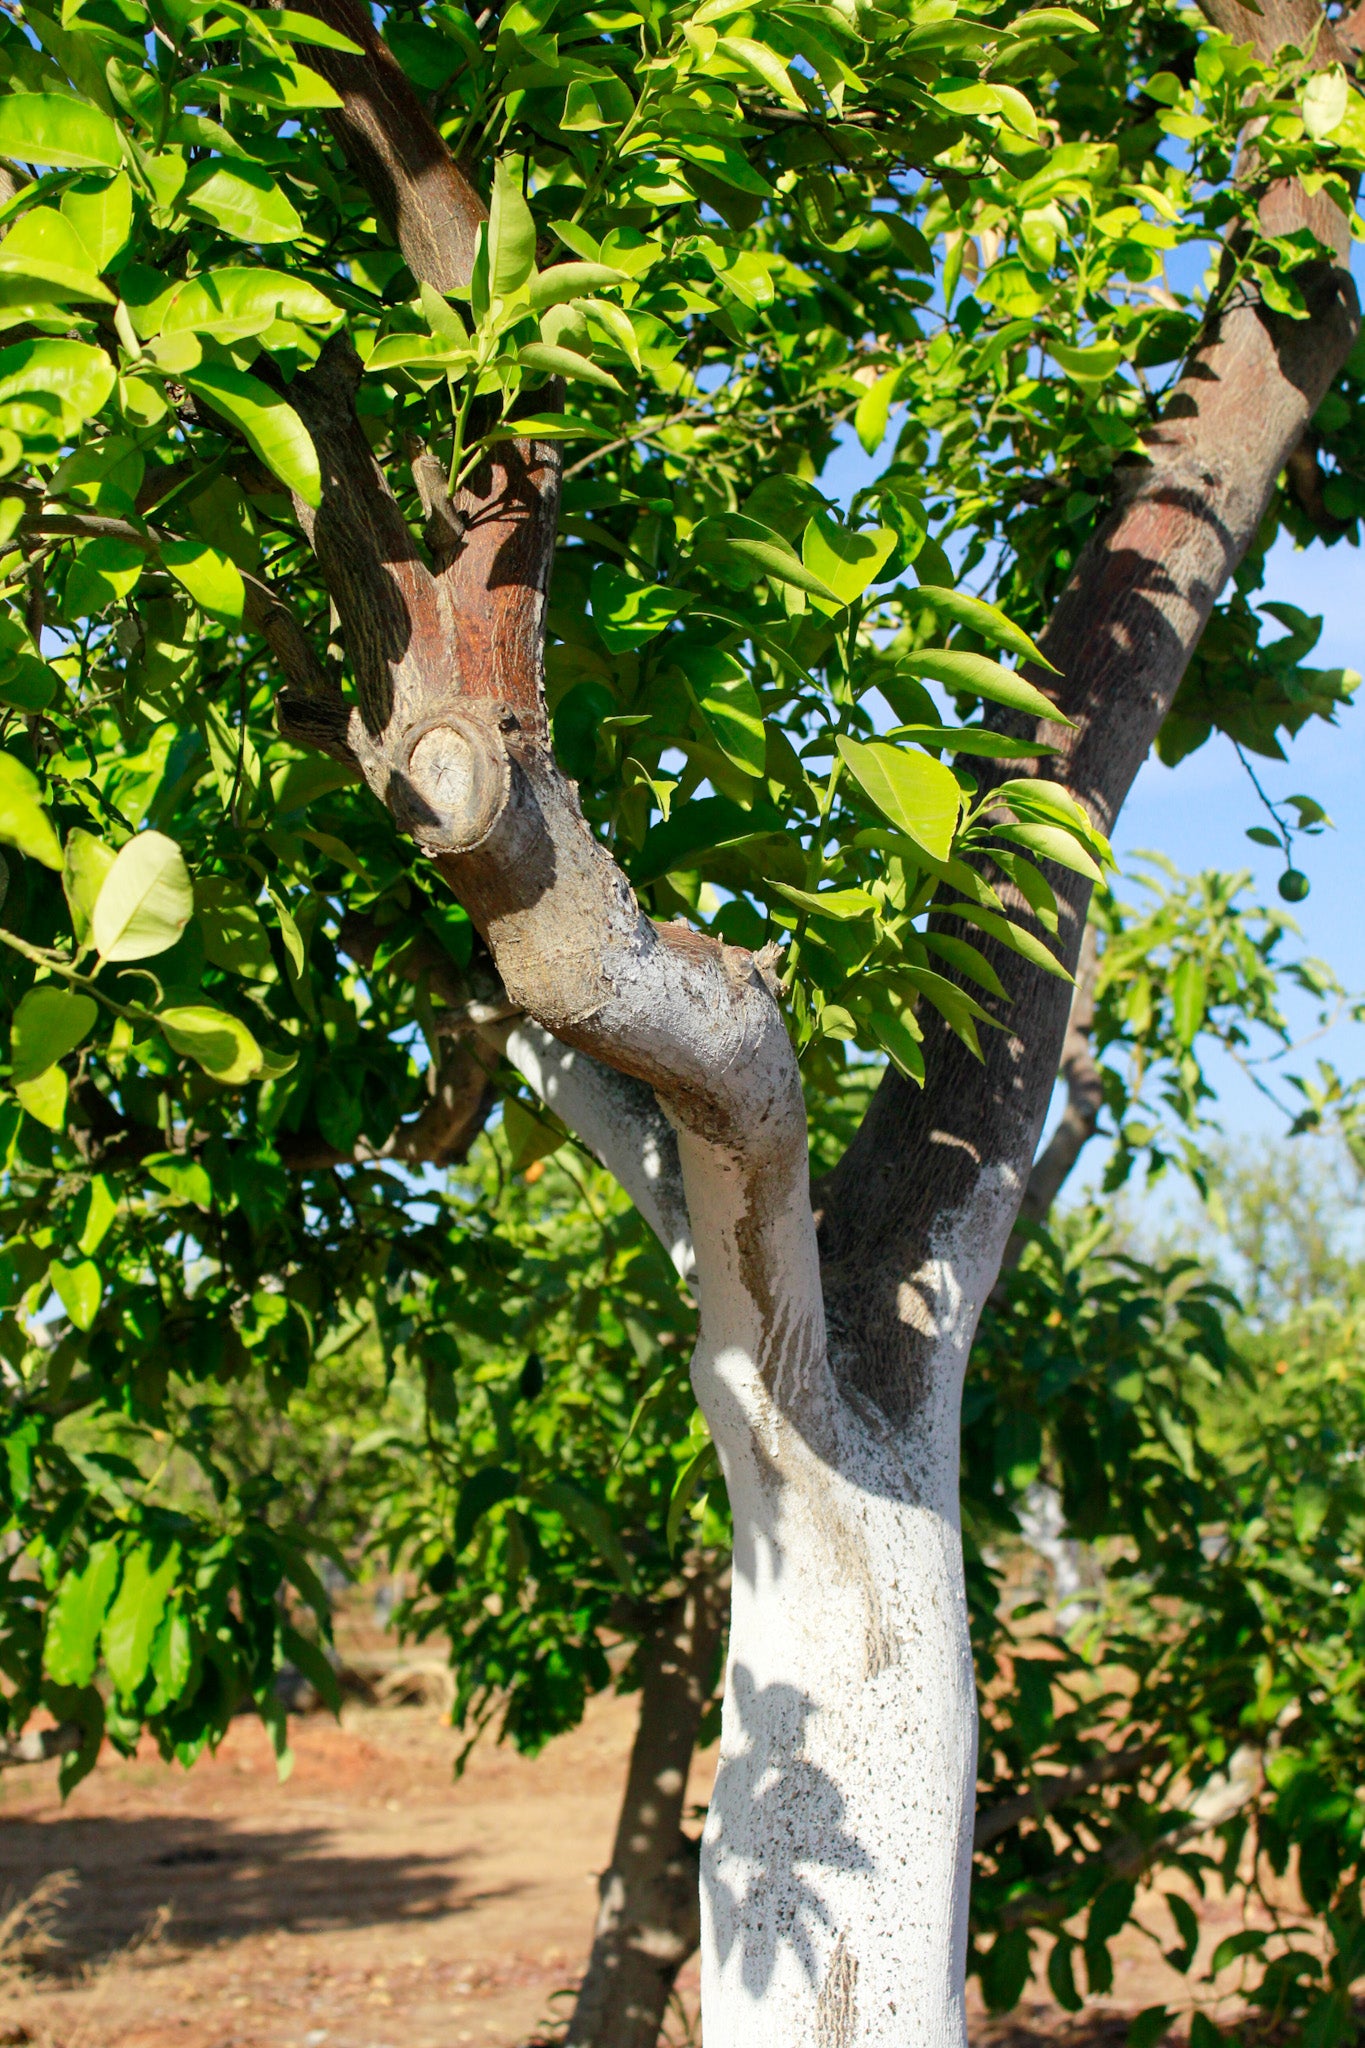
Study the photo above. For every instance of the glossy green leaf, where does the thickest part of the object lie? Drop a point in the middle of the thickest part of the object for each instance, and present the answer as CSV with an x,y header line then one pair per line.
x,y
86,863
554,361
511,231
49,1023
845,560
836,903
214,582
77,377
266,421
23,821
145,900
53,129
917,793
728,702
76,1617
45,1098
986,619
978,676
79,1289
242,199
217,1041
629,614
236,302
565,281
132,1622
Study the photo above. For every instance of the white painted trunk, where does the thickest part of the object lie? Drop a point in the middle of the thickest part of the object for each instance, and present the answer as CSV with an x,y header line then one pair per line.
x,y
836,1858
837,1854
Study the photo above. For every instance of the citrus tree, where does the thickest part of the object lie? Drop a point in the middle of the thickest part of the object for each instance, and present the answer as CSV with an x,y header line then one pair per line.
x,y
430,657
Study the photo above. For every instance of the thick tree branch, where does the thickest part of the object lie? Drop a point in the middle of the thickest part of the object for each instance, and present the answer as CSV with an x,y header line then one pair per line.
x,y
428,205
950,1162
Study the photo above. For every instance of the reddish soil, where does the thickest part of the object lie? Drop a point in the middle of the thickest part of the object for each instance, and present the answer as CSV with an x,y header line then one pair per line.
x,y
370,1902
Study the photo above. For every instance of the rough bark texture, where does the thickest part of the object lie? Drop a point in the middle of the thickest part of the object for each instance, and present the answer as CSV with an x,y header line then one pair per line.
x,y
1084,1082
648,1920
837,1850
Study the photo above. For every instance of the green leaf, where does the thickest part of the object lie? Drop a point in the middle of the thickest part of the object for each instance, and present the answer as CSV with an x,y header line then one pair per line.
x,y
873,415
96,1211
78,1288
555,361
45,1098
1325,99
972,739
1025,943
747,541
51,128
76,1616
268,423
593,103
967,960
133,1620
43,248
699,827
49,1023
184,1180
85,865
986,619
511,231
898,1038
234,303
220,1043
106,570
917,793
766,66
722,160
245,201
592,1522
701,1467
214,582
839,903
488,1488
23,821
1189,999
728,702
234,937
273,82
1053,843
1087,365
628,613
979,676
145,902
845,560
79,378
530,1135
565,281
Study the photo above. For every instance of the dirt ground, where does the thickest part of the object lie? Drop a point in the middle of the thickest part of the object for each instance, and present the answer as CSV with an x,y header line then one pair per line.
x,y
370,1902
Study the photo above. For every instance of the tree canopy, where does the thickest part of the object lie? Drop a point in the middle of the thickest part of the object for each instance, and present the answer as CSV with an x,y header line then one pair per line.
x,y
250,1028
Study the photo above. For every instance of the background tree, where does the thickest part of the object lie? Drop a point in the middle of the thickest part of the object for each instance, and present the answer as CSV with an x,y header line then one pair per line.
x,y
339,470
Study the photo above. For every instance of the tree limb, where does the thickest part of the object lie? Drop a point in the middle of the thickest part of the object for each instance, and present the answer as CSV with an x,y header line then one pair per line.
x,y
423,198
1045,1795
952,1160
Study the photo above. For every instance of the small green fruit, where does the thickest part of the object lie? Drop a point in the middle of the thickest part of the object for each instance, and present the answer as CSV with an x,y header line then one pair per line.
x,y
1294,885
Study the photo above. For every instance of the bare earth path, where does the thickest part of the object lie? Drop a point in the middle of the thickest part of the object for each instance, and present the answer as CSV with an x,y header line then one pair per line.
x,y
371,1902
